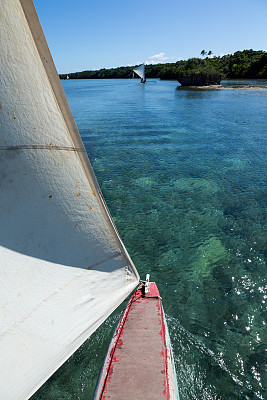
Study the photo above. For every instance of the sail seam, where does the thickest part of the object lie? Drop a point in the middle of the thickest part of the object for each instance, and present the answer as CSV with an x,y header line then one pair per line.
x,y
41,147
52,75
115,255
44,301
53,294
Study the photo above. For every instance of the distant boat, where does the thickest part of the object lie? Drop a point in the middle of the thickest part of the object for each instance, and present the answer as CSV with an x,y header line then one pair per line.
x,y
140,71
68,77
64,269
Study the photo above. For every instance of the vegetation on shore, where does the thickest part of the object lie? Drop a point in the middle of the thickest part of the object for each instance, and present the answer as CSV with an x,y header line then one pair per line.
x,y
247,64
195,71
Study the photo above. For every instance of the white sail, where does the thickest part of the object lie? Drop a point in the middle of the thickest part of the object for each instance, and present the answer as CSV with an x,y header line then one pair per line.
x,y
140,71
63,267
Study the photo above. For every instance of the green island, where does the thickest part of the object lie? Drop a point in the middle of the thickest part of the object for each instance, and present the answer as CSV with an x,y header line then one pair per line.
x,y
208,70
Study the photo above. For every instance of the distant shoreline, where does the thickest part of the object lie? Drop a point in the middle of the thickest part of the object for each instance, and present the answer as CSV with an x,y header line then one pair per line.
x,y
246,64
220,87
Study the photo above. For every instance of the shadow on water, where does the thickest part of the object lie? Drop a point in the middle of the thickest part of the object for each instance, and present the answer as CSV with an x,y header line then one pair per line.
x,y
195,93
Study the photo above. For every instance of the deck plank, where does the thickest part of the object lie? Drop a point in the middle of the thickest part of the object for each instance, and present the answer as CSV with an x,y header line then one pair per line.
x,y
138,368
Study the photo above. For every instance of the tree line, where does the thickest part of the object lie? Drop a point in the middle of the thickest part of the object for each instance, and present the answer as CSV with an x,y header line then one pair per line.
x,y
246,64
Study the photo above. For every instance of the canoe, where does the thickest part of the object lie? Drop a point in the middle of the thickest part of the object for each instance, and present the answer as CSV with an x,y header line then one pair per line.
x,y
139,361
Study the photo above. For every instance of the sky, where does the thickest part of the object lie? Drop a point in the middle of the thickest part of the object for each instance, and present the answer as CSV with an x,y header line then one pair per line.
x,y
88,35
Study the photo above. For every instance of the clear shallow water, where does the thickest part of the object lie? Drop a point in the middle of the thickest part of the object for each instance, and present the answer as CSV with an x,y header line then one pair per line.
x,y
184,176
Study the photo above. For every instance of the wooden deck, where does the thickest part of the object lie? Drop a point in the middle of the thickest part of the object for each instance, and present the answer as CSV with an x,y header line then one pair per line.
x,y
137,365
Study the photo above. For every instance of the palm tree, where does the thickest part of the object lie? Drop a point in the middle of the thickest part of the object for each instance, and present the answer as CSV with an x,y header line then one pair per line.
x,y
203,53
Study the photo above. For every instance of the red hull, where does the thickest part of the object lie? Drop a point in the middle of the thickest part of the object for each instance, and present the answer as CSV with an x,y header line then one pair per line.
x,y
139,363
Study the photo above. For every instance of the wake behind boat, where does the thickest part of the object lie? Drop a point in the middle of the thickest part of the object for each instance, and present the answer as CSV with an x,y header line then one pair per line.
x,y
64,267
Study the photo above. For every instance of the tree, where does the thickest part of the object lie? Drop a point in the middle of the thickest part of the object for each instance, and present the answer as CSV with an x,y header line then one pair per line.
x,y
247,64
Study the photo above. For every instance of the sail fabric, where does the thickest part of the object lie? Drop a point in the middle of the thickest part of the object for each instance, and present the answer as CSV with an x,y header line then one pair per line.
x,y
63,266
140,71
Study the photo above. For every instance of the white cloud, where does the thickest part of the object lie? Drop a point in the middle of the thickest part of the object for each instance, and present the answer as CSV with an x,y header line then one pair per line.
x,y
157,58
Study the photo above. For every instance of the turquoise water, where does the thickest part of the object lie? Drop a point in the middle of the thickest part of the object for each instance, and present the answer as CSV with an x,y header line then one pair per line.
x,y
184,176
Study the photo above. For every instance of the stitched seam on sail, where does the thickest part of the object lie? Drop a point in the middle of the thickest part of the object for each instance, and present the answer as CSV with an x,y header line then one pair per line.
x,y
41,147
115,255
54,294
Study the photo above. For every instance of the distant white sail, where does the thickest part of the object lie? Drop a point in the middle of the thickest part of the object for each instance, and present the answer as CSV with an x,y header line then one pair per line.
x,y
63,267
140,71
